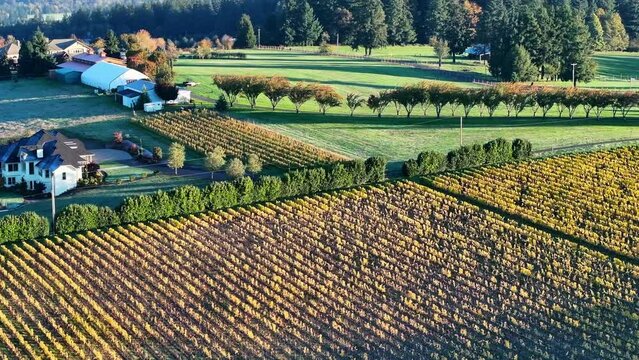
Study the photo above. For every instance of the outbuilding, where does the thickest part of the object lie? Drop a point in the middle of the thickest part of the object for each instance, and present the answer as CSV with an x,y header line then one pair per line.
x,y
108,77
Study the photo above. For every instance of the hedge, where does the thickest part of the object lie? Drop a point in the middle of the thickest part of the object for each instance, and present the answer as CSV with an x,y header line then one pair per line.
x,y
23,227
190,199
496,151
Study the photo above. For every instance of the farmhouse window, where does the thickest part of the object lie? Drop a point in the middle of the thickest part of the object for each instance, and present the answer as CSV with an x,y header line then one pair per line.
x,y
11,181
31,168
64,176
12,167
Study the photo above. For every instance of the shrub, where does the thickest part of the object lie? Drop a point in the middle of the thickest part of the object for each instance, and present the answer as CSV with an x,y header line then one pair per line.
x,y
221,105
157,153
23,227
522,149
498,151
77,217
253,164
235,168
376,169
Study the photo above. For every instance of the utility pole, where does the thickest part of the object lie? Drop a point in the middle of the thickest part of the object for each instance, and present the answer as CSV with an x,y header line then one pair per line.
x,y
259,37
337,43
53,202
574,79
461,131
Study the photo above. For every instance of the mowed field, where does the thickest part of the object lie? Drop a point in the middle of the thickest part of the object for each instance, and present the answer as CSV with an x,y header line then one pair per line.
x,y
392,136
32,104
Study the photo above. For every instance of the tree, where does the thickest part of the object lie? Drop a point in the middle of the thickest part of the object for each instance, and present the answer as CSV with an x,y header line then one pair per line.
x,y
177,156
378,103
245,34
34,56
300,94
400,22
221,105
172,52
596,31
230,85
5,67
326,97
441,48
253,164
370,24
112,45
277,88
204,48
521,68
253,87
460,26
629,10
354,101
615,36
235,168
300,26
215,160
576,48
157,153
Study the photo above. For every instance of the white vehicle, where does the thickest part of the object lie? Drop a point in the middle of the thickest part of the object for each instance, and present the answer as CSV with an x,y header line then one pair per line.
x,y
153,107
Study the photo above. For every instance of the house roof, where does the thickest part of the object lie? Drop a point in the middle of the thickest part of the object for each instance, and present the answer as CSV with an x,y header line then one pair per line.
x,y
58,45
58,150
88,58
129,93
12,49
140,85
74,66
103,74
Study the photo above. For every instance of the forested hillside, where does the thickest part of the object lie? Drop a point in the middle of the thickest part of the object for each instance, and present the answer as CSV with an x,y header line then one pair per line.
x,y
12,11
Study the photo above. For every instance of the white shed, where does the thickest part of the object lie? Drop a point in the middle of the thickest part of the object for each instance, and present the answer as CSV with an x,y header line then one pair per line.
x,y
106,76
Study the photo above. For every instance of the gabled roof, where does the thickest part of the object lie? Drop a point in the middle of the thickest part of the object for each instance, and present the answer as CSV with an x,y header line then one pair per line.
x,y
11,49
57,45
58,150
74,66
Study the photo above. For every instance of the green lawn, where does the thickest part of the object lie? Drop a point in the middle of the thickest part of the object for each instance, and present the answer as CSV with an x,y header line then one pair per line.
x,y
9,199
397,138
423,54
32,104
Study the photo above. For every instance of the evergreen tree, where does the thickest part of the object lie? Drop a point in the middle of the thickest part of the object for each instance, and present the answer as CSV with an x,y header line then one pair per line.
x,y
34,56
5,67
596,31
575,47
370,24
300,26
309,29
495,31
521,68
400,23
629,11
615,35
245,34
458,28
112,45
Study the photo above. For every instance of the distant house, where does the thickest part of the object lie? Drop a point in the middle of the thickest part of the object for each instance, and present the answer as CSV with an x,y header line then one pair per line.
x,y
11,51
130,93
107,76
43,157
68,47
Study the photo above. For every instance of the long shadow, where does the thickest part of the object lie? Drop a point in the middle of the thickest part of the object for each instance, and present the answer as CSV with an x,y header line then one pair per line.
x,y
391,122
380,69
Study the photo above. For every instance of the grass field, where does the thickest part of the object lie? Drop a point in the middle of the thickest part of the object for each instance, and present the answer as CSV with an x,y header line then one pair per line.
x,y
394,137
33,104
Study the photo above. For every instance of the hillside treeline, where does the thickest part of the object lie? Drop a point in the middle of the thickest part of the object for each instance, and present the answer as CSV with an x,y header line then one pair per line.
x,y
539,38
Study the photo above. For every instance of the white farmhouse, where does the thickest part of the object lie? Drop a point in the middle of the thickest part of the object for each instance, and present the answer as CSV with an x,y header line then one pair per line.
x,y
42,158
106,76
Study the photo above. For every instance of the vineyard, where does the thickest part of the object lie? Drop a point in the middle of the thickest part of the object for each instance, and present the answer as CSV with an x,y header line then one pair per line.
x,y
392,270
205,130
592,196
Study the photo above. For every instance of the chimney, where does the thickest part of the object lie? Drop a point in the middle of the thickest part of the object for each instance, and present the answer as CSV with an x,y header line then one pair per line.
x,y
40,153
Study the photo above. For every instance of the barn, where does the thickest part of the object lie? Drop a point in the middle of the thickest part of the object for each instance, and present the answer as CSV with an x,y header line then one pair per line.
x,y
107,76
